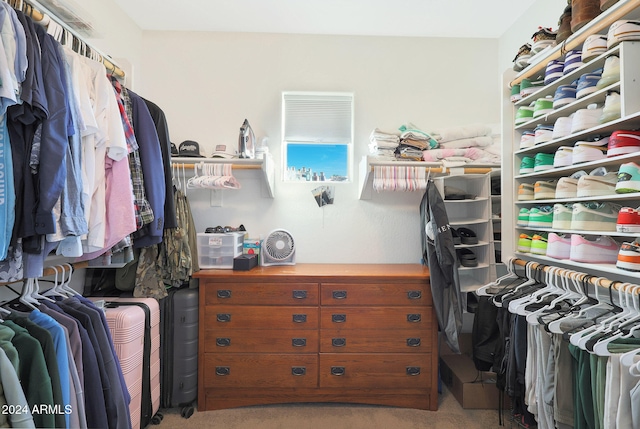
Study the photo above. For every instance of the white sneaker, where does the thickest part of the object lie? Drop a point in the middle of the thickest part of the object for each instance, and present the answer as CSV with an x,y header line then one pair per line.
x,y
597,183
602,250
562,127
594,45
543,134
563,157
587,118
527,139
568,186
589,151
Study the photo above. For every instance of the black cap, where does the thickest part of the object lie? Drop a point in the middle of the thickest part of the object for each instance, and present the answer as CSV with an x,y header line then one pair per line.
x,y
189,148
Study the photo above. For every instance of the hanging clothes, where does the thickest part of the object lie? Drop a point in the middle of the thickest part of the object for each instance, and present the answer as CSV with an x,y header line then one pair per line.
x,y
438,253
162,128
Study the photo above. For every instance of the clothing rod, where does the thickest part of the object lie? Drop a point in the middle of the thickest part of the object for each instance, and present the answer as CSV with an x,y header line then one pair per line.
x,y
594,280
444,170
234,166
37,12
62,268
599,24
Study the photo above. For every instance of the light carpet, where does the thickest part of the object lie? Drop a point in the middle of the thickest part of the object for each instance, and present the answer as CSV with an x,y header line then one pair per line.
x,y
450,415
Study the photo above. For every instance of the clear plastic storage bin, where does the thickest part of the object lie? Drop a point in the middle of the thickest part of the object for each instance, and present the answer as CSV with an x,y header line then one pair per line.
x,y
218,250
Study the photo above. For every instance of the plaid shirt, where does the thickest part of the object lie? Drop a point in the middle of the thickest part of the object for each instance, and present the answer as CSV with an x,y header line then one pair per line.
x,y
143,211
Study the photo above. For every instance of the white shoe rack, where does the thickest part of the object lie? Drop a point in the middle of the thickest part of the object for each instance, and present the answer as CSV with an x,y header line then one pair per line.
x,y
629,89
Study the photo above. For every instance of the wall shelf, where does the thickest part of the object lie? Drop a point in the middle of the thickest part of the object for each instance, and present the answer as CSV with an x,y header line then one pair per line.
x,y
367,164
264,164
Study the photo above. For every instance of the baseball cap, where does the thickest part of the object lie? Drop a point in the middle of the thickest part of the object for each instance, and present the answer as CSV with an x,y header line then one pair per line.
x,y
189,148
174,149
223,151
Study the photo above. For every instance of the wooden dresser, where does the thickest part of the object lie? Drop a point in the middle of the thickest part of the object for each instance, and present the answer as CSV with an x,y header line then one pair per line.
x,y
317,333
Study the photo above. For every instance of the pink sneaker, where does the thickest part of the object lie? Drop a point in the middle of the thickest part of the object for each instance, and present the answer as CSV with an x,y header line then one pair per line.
x,y
602,250
559,246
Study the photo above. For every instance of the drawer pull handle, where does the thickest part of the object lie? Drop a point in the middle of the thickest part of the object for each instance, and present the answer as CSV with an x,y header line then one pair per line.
x,y
299,342
222,371
414,294
414,318
413,342
223,317
299,318
224,293
338,318
339,294
337,371
223,342
338,342
299,294
298,370
413,370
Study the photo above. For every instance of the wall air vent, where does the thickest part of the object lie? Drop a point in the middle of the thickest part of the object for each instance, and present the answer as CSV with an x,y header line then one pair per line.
x,y
68,12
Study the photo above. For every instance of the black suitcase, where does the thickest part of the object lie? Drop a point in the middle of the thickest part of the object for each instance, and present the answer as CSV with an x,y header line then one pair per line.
x,y
179,349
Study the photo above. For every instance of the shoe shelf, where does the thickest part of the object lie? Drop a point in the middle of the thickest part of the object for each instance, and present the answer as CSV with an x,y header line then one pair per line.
x,y
474,214
629,90
623,9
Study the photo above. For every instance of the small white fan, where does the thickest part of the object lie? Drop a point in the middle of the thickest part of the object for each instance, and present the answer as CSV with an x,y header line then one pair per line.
x,y
278,249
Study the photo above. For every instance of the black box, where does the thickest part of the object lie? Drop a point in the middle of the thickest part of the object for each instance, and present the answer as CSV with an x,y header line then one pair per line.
x,y
245,262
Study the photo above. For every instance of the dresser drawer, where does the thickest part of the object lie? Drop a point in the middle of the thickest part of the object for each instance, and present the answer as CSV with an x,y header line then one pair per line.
x,y
260,340
231,370
375,317
260,317
382,370
260,293
375,294
376,341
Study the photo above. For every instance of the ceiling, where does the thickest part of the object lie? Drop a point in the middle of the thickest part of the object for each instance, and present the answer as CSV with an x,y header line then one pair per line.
x,y
417,18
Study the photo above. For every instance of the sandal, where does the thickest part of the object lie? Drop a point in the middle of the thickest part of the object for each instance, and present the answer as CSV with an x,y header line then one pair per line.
x,y
467,236
467,258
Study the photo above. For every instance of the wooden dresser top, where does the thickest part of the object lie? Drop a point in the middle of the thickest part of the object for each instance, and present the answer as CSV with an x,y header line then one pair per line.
x,y
318,272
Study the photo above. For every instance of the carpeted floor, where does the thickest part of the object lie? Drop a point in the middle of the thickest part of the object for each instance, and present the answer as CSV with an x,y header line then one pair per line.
x,y
450,415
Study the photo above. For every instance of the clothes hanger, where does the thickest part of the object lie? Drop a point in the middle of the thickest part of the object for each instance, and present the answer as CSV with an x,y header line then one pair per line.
x,y
66,285
25,296
53,291
606,324
609,308
526,287
581,308
35,292
511,274
565,281
532,297
601,346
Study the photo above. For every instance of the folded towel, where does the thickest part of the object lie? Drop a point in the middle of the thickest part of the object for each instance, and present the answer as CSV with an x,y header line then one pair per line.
x,y
462,132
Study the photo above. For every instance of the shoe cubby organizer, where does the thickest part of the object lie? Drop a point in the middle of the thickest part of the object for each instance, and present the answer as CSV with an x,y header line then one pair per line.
x,y
629,89
473,212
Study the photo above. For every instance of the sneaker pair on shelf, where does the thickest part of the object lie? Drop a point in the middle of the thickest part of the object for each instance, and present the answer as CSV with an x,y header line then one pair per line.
x,y
585,249
586,216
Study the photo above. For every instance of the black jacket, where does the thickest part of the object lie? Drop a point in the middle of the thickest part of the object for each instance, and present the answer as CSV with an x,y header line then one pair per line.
x,y
439,254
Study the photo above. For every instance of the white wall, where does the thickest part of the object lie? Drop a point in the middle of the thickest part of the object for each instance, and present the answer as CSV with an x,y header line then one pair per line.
x,y
208,83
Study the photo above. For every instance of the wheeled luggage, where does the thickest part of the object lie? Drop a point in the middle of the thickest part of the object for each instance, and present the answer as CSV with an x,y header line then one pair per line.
x,y
150,389
179,363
